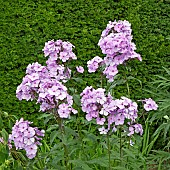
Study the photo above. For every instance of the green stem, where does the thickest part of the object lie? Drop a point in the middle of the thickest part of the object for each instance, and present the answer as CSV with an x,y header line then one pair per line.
x,y
108,145
127,84
89,127
128,149
120,143
101,80
62,130
128,90
66,157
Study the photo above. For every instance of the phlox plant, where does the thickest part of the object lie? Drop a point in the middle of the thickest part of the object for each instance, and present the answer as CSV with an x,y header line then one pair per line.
x,y
114,122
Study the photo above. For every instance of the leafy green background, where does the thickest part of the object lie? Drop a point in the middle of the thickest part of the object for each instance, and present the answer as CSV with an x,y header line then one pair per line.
x,y
27,24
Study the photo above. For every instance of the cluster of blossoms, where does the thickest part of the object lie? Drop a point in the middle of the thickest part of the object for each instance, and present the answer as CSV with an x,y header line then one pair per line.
x,y
94,64
59,50
26,137
51,94
116,43
44,83
109,112
150,104
137,128
80,69
35,74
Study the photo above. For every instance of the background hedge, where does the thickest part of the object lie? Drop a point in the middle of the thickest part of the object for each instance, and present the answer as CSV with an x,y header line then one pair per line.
x,y
27,24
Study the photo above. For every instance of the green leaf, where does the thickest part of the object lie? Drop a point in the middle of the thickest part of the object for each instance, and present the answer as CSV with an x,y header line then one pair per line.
x,y
44,116
119,168
5,135
57,158
10,124
79,80
81,164
53,135
133,78
17,165
102,161
76,99
167,70
1,123
115,83
70,131
4,153
52,127
152,143
129,153
48,118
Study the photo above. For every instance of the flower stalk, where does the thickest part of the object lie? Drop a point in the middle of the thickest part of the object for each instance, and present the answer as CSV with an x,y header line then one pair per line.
x,y
62,130
109,151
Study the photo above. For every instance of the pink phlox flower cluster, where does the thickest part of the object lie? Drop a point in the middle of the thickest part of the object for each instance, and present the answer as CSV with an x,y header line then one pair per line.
x,y
94,64
80,69
116,39
150,104
44,86
106,111
26,137
136,128
110,72
43,83
59,50
50,93
120,110
64,110
116,43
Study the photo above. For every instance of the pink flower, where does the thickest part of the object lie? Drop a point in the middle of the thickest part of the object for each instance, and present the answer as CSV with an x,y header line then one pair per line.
x,y
102,130
31,151
94,64
80,69
150,104
30,132
26,137
100,121
116,43
64,110
136,128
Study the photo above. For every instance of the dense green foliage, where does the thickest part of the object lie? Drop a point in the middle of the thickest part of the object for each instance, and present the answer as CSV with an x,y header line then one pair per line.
x,y
28,24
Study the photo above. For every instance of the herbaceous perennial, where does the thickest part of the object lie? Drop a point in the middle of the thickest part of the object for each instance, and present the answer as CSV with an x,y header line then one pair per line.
x,y
116,43
108,112
26,137
45,84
